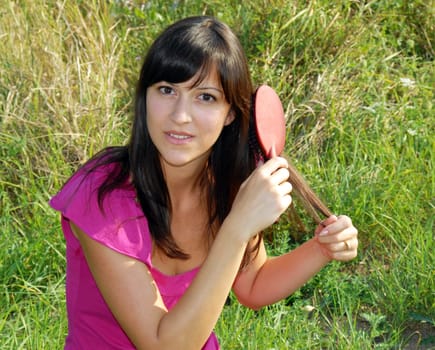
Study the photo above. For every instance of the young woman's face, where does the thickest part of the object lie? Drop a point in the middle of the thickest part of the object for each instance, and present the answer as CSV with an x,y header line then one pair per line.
x,y
184,121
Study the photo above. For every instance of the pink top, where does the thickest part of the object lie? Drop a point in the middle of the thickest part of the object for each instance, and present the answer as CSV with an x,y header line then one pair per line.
x,y
123,228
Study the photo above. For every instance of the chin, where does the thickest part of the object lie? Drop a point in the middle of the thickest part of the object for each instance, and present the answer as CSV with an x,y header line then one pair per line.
x,y
179,162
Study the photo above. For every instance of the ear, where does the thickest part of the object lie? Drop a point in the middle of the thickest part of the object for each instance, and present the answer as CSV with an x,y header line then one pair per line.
x,y
230,117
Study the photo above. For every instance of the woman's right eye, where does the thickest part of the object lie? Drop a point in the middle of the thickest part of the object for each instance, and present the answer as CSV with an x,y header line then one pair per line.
x,y
166,90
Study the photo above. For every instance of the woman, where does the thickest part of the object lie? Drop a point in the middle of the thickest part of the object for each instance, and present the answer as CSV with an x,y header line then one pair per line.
x,y
159,231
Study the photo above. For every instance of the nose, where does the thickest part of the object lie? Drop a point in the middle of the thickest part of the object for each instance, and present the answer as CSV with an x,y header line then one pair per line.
x,y
181,112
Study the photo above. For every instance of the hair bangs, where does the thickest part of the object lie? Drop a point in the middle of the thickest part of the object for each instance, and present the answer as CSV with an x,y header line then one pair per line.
x,y
180,62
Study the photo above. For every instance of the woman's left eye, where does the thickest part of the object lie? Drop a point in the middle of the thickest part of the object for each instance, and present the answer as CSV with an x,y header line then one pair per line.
x,y
207,98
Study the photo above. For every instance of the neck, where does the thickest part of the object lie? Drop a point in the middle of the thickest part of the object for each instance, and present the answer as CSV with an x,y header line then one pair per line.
x,y
184,183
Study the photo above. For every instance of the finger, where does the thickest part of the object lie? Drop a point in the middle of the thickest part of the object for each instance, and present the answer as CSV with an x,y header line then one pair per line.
x,y
346,245
327,237
285,188
286,201
339,251
348,252
329,220
351,244
344,255
273,165
280,176
341,223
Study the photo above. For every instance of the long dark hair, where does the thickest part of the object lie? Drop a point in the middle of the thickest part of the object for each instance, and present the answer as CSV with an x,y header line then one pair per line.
x,y
191,46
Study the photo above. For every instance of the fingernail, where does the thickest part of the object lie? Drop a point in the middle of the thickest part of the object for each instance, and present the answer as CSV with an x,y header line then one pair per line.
x,y
323,233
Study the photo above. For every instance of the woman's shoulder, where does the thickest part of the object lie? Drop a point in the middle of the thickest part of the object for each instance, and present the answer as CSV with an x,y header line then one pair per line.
x,y
83,185
116,220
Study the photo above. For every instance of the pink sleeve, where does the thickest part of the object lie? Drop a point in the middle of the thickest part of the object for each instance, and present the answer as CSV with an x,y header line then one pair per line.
x,y
119,224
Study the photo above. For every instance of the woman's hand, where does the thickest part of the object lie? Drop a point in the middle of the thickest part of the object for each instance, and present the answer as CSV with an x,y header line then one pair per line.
x,y
262,198
338,238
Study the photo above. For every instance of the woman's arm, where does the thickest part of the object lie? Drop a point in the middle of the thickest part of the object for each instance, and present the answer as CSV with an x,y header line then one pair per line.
x,y
268,280
133,297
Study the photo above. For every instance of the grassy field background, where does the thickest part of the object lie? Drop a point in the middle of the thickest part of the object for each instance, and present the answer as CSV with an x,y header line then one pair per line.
x,y
357,83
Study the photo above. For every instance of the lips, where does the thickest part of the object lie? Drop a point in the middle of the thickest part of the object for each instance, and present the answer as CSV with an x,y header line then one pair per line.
x,y
178,138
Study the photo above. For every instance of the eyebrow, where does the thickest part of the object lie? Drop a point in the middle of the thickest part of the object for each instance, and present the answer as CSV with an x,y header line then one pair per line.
x,y
198,87
210,88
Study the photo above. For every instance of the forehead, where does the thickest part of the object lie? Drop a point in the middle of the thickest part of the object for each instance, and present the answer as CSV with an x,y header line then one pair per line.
x,y
206,77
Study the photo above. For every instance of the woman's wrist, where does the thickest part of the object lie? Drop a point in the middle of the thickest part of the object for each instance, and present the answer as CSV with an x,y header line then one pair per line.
x,y
320,250
236,231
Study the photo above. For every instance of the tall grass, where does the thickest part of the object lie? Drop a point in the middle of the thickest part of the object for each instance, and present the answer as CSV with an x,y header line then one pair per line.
x,y
357,81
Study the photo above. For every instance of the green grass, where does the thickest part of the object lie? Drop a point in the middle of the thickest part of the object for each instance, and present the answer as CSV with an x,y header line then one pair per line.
x,y
357,82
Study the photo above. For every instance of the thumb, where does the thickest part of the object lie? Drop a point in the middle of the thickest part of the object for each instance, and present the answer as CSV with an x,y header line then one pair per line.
x,y
329,220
